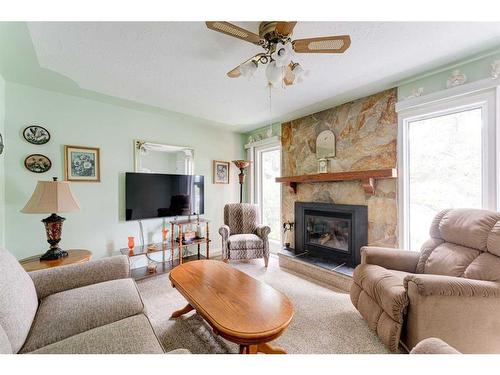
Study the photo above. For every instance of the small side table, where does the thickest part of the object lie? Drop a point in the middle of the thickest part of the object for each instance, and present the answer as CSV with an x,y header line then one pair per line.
x,y
74,256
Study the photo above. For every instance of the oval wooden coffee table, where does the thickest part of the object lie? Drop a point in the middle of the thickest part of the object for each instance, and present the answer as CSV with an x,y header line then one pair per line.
x,y
238,307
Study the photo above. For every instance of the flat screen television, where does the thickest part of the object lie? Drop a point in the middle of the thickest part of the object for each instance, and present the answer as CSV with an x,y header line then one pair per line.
x,y
153,195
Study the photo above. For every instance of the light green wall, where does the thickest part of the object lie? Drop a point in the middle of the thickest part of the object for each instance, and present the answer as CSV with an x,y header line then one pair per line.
x,y
99,225
2,164
475,68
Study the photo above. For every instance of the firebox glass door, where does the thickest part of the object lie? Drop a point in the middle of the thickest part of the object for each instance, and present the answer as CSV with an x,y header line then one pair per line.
x,y
328,232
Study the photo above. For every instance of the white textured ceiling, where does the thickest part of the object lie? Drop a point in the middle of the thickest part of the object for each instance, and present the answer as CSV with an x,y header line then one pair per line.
x,y
181,66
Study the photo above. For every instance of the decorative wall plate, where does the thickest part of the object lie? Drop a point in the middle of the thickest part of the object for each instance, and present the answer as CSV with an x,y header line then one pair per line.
x,y
36,135
37,163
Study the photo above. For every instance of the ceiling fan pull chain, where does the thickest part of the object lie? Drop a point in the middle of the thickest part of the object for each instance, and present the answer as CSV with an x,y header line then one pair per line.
x,y
270,102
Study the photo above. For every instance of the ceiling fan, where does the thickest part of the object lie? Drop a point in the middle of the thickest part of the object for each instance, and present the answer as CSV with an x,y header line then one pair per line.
x,y
275,38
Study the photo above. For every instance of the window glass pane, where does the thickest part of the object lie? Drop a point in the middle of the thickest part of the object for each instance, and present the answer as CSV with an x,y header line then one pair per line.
x,y
444,168
270,192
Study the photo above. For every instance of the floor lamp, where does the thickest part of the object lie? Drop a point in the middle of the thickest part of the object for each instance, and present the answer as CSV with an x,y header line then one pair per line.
x,y
241,165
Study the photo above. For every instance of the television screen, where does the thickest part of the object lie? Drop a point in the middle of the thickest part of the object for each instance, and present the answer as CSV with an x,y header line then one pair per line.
x,y
152,195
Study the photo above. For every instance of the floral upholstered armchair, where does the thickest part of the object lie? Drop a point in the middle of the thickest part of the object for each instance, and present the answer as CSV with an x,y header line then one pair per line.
x,y
242,236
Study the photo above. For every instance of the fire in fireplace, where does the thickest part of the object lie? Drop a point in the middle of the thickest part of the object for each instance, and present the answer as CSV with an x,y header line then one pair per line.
x,y
333,231
329,232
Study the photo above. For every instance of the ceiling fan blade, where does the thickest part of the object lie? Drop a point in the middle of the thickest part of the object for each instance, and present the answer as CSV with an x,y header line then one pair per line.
x,y
285,28
325,44
235,31
235,73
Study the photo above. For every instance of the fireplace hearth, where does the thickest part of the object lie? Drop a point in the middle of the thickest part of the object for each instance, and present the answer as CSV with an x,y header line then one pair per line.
x,y
330,235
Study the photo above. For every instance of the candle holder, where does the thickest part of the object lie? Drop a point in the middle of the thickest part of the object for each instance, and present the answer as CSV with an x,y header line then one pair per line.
x,y
287,232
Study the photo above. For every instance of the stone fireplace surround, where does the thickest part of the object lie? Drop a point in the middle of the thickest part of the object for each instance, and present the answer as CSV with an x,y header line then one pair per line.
x,y
366,133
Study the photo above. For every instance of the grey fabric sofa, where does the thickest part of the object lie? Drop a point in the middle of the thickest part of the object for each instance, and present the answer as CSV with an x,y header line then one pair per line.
x,y
87,308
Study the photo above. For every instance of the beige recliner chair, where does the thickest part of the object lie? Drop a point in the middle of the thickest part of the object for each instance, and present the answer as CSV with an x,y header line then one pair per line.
x,y
449,290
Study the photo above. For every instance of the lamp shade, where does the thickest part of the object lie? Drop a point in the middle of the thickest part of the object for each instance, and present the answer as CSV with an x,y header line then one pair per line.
x,y
51,197
241,164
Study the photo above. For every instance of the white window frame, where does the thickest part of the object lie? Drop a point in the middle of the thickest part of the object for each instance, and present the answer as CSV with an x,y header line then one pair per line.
x,y
487,100
254,154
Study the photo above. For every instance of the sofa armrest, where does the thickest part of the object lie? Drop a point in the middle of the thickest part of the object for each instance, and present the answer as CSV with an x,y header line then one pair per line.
x,y
179,351
433,345
394,259
439,285
263,231
57,279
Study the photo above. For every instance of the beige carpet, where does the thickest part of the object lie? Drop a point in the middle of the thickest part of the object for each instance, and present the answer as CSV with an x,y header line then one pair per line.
x,y
325,321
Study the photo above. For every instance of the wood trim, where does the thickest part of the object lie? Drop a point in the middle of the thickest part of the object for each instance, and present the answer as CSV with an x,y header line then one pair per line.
x,y
367,177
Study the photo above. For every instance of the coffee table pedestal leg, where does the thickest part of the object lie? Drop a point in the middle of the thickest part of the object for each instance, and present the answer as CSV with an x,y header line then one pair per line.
x,y
261,348
182,311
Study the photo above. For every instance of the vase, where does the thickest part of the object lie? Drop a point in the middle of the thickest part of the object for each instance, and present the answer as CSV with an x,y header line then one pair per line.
x,y
131,243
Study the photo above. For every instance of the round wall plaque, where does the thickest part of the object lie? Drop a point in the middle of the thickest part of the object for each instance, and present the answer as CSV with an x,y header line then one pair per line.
x,y
36,135
37,163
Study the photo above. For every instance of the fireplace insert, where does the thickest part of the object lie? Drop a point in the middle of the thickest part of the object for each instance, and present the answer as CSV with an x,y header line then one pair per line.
x,y
332,231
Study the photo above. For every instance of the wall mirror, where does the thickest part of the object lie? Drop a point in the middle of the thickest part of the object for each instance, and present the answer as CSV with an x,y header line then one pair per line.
x,y
151,157
325,145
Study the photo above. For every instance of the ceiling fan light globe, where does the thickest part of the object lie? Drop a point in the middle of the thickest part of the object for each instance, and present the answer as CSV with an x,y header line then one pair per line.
x,y
300,73
282,54
274,74
248,69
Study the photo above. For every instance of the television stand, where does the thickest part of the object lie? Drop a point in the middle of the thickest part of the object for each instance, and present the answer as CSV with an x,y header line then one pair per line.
x,y
181,241
174,252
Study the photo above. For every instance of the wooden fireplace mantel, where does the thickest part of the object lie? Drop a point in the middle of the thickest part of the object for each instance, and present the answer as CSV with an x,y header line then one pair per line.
x,y
367,178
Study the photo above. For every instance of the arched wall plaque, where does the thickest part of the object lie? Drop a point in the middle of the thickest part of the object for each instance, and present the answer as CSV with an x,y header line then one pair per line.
x,y
325,145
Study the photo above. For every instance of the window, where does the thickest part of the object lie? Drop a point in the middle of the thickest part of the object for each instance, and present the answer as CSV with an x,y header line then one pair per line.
x,y
265,191
447,160
270,192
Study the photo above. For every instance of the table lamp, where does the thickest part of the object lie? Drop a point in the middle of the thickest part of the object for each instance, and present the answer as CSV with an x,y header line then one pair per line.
x,y
241,165
52,197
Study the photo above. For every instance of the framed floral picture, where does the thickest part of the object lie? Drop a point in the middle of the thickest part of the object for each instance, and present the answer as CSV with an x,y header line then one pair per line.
x,y
82,164
220,172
